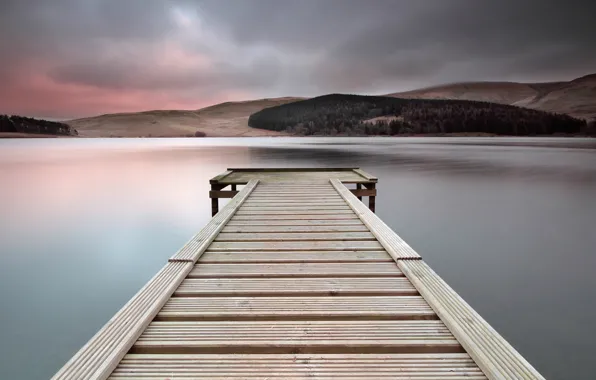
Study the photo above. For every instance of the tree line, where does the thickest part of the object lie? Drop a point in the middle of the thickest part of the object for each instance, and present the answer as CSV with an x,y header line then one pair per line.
x,y
22,124
358,115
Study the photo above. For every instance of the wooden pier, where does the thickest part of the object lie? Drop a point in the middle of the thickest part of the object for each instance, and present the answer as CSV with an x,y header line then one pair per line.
x,y
295,278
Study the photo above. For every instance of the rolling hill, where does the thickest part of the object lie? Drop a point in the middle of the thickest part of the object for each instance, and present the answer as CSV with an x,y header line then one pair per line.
x,y
357,115
228,119
576,98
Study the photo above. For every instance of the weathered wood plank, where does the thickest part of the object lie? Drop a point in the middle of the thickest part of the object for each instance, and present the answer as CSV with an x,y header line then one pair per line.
x,y
293,206
248,257
493,354
285,170
296,246
279,236
318,286
222,194
197,245
448,366
364,192
301,222
295,212
394,245
295,308
295,229
340,269
98,358
365,175
280,198
351,216
290,203
220,177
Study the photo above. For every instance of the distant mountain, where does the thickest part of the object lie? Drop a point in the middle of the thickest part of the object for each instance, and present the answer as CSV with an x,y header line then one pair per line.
x,y
358,115
19,126
228,119
576,98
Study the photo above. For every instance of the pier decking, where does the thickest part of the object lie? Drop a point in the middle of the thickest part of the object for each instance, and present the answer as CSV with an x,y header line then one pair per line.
x,y
295,278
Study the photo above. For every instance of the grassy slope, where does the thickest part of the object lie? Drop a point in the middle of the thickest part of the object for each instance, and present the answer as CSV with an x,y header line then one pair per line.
x,y
576,97
221,120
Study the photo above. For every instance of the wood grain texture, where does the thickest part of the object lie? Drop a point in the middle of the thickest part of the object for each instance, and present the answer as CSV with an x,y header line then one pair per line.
x,y
493,354
294,229
293,236
457,366
300,286
248,257
300,222
284,337
197,245
338,269
295,213
98,358
296,308
395,246
327,216
296,246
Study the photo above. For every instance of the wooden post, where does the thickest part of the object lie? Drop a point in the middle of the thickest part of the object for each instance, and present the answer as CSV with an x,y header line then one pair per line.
x,y
215,199
359,187
234,188
371,198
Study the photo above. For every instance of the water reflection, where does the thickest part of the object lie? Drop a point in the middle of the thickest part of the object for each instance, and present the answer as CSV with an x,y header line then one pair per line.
x,y
85,223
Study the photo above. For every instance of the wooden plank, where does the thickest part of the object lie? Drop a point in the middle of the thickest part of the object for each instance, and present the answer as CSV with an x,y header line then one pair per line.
x,y
395,245
302,197
297,206
301,222
297,194
197,245
296,246
351,216
295,229
295,213
307,178
281,236
295,199
268,287
364,192
221,176
285,170
365,175
222,194
295,203
98,358
340,269
448,366
493,354
188,337
294,257
295,308
301,186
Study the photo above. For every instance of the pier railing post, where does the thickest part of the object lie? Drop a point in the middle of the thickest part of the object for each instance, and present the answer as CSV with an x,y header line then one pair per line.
x,y
359,187
371,198
215,198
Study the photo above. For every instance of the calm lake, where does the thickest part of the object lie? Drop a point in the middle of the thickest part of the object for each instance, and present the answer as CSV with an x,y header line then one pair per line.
x,y
509,223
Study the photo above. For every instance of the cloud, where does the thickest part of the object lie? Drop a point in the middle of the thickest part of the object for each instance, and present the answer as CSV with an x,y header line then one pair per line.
x,y
188,53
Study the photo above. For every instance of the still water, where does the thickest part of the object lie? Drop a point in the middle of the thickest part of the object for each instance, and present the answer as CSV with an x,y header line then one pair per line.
x,y
509,223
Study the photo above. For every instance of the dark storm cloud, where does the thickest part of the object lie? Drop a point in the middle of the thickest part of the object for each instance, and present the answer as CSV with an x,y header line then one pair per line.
x,y
264,48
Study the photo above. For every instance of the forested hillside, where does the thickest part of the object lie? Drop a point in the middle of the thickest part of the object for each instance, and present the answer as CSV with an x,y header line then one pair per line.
x,y
378,115
19,124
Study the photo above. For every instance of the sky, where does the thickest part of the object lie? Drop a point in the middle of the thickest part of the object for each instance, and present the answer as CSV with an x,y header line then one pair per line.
x,y
74,58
